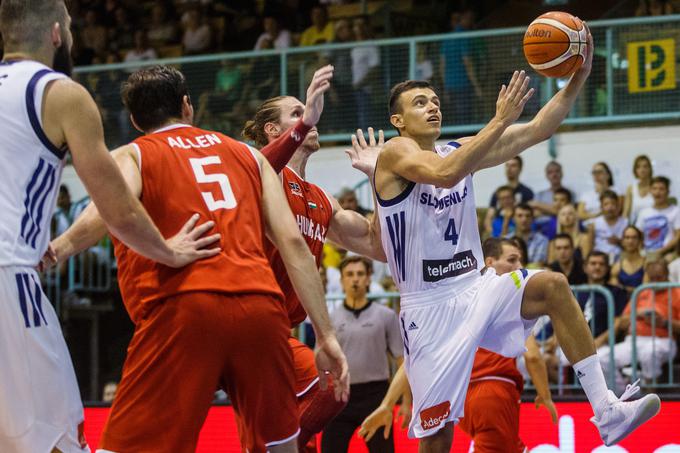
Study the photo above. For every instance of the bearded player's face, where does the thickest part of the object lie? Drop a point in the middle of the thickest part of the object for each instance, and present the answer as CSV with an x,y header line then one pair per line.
x,y
291,112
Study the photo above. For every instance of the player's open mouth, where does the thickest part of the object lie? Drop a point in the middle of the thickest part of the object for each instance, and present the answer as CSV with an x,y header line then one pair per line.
x,y
434,119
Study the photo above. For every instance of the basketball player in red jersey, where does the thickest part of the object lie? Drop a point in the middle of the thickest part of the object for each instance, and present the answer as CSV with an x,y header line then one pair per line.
x,y
493,397
219,322
285,133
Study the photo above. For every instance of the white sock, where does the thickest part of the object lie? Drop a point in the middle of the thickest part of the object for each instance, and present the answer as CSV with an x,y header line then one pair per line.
x,y
589,373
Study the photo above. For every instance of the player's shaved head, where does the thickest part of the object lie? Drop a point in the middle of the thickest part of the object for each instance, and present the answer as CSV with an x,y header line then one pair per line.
x,y
23,23
402,87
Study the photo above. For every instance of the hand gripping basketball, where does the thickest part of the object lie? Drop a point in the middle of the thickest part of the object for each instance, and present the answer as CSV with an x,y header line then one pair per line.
x,y
513,97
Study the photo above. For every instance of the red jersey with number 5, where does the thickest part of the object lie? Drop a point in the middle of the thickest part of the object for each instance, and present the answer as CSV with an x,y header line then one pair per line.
x,y
186,170
313,212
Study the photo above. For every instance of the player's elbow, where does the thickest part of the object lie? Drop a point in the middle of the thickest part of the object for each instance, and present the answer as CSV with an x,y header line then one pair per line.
x,y
533,356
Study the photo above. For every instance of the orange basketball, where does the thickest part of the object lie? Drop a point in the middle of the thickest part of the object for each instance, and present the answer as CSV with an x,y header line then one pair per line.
x,y
555,44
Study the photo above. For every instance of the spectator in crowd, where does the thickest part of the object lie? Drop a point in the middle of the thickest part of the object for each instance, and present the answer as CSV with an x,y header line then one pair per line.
x,y
321,31
653,8
121,34
536,243
566,261
109,392
589,202
521,193
501,222
369,336
561,198
280,38
543,201
457,70
61,219
142,50
638,195
607,228
163,29
660,224
655,345
365,66
348,200
567,223
340,94
94,34
197,34
629,271
594,306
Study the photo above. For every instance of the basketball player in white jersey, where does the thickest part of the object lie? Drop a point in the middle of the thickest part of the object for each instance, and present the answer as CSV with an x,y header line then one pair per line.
x,y
42,115
430,235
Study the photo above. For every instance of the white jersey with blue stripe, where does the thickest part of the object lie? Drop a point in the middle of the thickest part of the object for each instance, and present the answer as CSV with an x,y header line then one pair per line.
x,y
430,234
32,165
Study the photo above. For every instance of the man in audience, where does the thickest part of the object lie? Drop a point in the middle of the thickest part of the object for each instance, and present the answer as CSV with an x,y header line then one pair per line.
x,y
537,243
501,223
348,200
543,201
660,223
565,261
594,306
655,343
369,335
321,30
548,224
521,193
273,33
607,228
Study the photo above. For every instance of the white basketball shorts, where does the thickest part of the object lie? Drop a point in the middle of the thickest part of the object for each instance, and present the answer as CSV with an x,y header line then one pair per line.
x,y
442,329
40,407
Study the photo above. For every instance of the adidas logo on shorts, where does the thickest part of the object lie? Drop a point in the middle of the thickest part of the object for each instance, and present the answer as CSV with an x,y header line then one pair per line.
x,y
412,326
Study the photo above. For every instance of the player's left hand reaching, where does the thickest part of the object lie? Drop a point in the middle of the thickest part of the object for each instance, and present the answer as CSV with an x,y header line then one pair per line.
x,y
330,360
190,245
549,405
365,155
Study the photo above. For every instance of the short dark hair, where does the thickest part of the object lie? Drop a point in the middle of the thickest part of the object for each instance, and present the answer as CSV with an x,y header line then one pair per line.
x,y
519,161
598,253
504,189
521,244
525,207
663,180
154,95
356,259
565,236
402,87
23,22
493,247
564,191
609,194
63,189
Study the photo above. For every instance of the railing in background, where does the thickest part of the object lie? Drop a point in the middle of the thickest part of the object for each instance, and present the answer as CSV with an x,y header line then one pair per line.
x,y
633,79
656,287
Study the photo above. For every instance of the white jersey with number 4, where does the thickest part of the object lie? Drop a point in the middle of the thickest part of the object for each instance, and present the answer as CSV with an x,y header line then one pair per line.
x,y
31,164
430,234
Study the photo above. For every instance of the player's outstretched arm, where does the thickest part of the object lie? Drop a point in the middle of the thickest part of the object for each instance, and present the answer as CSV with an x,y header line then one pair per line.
x,y
519,137
69,105
350,229
89,227
402,156
539,376
283,231
280,151
382,416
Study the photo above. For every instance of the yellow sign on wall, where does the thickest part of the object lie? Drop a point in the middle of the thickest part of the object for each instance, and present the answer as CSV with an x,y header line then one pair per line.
x,y
651,65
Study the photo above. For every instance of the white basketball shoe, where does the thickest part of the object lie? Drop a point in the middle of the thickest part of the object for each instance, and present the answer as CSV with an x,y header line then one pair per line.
x,y
622,417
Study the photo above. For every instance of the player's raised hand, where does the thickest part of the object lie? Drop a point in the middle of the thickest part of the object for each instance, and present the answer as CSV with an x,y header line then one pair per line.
x,y
513,97
549,405
364,155
379,418
189,244
587,65
321,82
331,360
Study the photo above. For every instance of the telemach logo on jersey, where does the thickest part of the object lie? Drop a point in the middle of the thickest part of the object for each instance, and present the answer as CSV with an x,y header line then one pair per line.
x,y
461,263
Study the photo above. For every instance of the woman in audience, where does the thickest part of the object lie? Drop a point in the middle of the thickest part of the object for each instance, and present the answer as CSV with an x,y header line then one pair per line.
x,y
630,269
589,202
568,223
638,195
